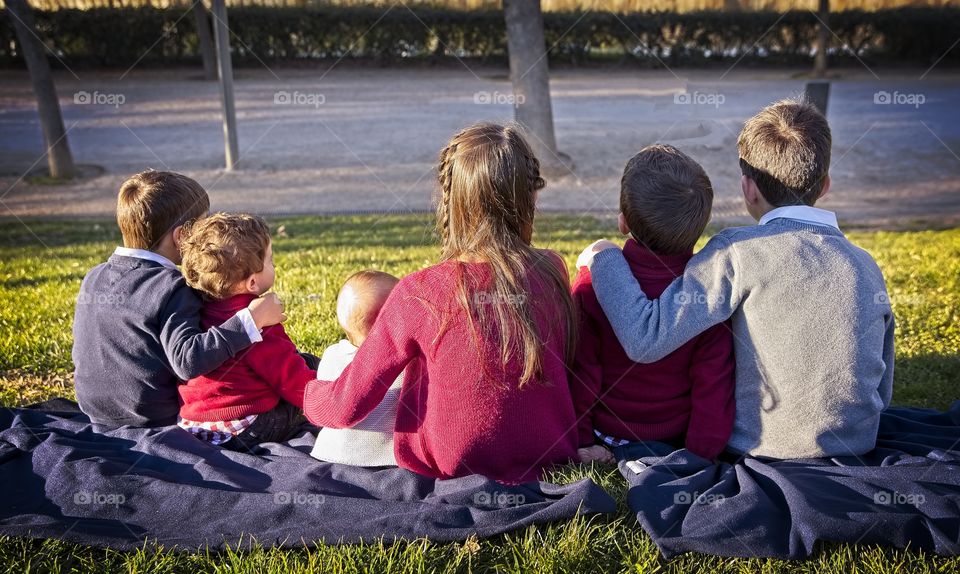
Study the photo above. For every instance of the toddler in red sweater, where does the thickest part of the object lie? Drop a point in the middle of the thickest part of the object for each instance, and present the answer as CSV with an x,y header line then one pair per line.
x,y
256,396
688,396
483,338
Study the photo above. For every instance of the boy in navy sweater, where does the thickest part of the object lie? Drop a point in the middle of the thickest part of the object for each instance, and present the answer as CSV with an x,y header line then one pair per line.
x,y
136,329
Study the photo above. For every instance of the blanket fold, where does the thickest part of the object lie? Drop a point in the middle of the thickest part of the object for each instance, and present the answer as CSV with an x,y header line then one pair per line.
x,y
905,492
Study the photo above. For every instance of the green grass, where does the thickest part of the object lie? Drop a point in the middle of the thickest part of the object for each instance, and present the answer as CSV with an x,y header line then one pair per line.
x,y
43,262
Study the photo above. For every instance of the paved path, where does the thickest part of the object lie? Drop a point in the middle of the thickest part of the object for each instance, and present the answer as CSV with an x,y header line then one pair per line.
x,y
366,140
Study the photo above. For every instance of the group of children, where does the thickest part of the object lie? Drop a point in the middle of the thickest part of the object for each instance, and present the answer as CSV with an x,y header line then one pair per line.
x,y
773,340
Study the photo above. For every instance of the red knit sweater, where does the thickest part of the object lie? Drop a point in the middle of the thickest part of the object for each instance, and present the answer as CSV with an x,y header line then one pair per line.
x,y
251,383
461,411
689,393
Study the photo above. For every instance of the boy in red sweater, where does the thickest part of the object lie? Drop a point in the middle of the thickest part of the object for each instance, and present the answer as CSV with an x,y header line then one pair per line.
x,y
687,397
257,396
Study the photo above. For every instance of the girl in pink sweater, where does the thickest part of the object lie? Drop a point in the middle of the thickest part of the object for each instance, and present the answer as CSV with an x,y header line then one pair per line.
x,y
483,337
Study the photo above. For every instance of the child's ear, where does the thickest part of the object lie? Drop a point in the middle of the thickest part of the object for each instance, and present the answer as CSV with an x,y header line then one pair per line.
x,y
749,188
177,236
826,187
622,224
251,285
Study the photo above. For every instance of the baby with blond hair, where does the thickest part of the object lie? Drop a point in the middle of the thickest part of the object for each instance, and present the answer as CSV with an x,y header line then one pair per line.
x,y
369,442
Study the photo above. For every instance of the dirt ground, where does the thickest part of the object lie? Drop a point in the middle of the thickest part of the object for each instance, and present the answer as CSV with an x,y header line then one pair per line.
x,y
356,140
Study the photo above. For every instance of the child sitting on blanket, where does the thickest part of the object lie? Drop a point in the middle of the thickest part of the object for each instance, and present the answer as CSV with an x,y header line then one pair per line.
x,y
136,329
686,397
369,442
257,396
483,338
812,324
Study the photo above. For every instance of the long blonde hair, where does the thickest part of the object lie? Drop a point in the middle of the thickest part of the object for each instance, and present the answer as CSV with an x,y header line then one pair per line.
x,y
489,179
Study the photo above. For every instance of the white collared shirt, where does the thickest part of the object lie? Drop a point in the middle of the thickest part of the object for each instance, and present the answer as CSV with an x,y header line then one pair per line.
x,y
144,254
249,325
804,213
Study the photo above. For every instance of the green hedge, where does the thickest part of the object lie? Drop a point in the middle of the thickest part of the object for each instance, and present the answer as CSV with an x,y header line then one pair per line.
x,y
119,37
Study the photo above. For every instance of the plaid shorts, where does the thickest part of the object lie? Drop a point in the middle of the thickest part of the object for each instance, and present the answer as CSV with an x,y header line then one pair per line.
x,y
609,440
217,432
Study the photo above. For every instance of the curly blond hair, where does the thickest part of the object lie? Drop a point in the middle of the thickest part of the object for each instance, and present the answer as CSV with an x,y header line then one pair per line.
x,y
222,250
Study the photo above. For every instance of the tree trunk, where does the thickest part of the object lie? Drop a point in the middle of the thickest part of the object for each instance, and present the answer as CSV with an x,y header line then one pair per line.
x,y
59,158
530,76
225,71
823,41
205,40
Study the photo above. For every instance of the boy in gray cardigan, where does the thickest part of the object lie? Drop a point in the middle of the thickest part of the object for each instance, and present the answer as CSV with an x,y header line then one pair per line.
x,y
812,323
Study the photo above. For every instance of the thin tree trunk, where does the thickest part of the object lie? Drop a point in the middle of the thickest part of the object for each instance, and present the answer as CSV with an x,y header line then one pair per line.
x,y
823,40
59,158
530,76
225,72
208,50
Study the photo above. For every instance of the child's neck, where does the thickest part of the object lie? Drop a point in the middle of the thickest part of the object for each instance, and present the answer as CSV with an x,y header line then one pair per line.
x,y
171,254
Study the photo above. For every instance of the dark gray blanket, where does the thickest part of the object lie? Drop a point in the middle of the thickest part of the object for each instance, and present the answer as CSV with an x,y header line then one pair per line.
x,y
61,479
905,492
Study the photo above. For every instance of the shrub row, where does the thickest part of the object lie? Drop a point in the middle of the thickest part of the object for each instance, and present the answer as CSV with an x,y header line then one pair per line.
x,y
118,37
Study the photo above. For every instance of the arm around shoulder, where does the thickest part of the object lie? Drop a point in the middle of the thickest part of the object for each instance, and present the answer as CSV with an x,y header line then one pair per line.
x,y
192,352
705,295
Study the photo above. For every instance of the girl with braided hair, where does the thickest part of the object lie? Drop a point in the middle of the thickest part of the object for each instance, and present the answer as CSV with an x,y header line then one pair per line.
x,y
483,338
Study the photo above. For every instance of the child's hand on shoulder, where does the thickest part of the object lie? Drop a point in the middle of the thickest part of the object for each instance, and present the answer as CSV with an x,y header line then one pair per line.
x,y
595,453
586,257
267,310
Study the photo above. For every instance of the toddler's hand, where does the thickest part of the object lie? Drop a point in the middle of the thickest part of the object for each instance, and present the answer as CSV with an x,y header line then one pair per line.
x,y
595,453
267,310
586,257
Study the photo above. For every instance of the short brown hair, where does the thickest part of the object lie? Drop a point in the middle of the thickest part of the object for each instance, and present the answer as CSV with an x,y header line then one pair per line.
x,y
785,149
152,203
372,289
666,198
221,250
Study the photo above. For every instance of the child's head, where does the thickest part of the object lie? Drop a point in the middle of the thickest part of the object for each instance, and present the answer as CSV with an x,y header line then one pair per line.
x,y
360,300
489,179
153,205
784,156
665,199
228,254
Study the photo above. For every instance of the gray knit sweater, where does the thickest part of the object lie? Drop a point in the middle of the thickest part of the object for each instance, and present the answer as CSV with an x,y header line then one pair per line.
x,y
812,326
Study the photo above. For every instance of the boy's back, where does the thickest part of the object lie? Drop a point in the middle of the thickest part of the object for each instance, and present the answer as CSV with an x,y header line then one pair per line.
x,y
136,329
688,394
131,333
813,329
813,332
810,349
